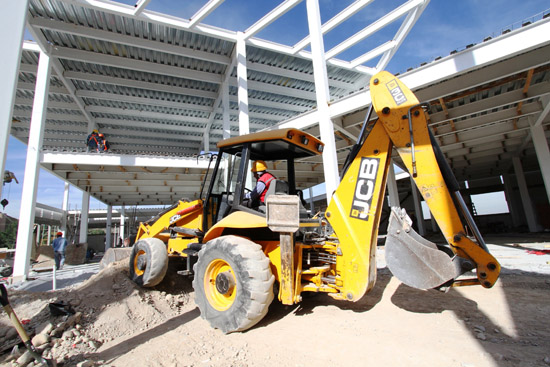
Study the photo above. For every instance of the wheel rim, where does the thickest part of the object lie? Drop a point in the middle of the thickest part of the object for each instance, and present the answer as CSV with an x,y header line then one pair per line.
x,y
140,263
219,270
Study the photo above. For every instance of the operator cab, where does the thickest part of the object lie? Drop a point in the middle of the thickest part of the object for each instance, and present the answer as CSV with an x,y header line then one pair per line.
x,y
231,177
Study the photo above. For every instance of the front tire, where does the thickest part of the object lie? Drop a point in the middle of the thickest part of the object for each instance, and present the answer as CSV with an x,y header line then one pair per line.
x,y
233,283
148,262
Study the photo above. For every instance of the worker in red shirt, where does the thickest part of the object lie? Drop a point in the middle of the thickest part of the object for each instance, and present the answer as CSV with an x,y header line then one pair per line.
x,y
256,197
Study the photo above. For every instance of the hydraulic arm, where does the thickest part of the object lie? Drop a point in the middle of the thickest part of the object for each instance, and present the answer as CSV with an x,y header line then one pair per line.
x,y
355,209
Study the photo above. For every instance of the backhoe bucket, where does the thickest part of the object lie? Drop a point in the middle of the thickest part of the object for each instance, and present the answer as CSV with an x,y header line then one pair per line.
x,y
414,260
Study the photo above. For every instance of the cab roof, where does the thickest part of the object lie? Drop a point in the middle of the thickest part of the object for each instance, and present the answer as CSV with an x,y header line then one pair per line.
x,y
275,144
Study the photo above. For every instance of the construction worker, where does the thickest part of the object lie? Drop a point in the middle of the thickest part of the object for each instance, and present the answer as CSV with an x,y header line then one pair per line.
x,y
103,145
256,197
93,141
59,245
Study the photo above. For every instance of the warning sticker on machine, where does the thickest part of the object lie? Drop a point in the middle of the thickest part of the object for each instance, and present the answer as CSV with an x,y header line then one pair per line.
x,y
364,189
396,92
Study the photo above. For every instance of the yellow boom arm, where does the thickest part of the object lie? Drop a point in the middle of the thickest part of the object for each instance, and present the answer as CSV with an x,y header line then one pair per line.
x,y
355,209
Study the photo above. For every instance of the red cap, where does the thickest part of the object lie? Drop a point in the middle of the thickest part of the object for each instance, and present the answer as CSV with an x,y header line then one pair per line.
x,y
59,234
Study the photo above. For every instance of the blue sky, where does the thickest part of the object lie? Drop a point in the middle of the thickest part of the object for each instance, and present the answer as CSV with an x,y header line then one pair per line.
x,y
444,26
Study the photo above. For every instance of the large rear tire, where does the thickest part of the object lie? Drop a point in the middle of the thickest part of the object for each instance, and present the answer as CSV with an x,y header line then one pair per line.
x,y
233,283
148,262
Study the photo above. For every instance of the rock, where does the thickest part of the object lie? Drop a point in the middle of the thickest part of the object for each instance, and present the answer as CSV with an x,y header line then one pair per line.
x,y
93,344
480,328
40,339
44,328
74,319
25,358
67,335
3,331
481,336
75,302
57,332
546,360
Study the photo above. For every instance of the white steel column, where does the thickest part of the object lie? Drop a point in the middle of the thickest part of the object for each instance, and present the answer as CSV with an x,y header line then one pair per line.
x,y
108,227
122,220
418,209
543,155
206,141
12,27
510,200
311,202
32,168
322,93
393,193
83,236
242,94
65,209
525,198
225,109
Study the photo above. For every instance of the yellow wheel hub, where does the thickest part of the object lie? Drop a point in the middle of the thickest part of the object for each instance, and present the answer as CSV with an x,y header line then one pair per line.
x,y
220,285
140,263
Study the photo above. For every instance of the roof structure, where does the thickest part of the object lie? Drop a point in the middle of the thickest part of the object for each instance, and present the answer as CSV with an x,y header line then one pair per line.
x,y
155,86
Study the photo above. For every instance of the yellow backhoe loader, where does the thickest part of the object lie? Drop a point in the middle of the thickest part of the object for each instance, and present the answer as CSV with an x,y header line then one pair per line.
x,y
236,254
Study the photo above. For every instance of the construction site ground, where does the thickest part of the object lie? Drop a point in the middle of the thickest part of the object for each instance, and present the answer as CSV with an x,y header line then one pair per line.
x,y
119,324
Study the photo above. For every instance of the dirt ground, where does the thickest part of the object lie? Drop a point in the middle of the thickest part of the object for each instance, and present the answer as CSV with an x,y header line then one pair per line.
x,y
394,325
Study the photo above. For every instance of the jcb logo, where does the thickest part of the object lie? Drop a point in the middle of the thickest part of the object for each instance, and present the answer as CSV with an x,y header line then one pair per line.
x,y
364,189
396,92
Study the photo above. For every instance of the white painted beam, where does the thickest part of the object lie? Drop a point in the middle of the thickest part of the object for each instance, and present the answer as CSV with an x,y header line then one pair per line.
x,y
242,81
330,161
534,38
133,64
140,6
13,24
393,192
334,21
418,209
543,155
401,34
123,39
374,27
203,12
270,17
122,160
153,17
108,225
525,197
225,111
32,169
65,208
113,80
83,235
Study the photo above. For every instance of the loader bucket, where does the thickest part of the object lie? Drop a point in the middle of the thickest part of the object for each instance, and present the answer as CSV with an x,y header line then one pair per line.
x,y
414,260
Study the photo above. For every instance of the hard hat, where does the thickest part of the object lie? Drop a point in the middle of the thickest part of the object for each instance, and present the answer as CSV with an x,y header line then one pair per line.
x,y
95,131
101,135
59,234
258,166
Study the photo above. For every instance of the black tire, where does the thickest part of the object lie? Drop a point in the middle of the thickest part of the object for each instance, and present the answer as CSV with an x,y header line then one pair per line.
x,y
242,271
148,262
